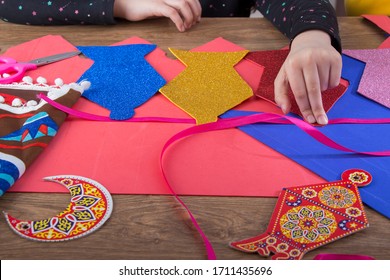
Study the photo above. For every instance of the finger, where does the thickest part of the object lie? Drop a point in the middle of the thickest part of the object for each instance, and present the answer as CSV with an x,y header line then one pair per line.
x,y
313,88
281,87
323,73
174,15
335,73
298,87
196,8
185,11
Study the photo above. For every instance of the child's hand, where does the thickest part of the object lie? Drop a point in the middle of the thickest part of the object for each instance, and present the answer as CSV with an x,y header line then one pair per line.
x,y
312,66
184,13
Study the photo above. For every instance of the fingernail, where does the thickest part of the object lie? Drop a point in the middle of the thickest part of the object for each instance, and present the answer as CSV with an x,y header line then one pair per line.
x,y
311,119
323,120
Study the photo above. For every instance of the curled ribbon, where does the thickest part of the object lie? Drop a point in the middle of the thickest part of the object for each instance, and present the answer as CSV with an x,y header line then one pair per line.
x,y
270,118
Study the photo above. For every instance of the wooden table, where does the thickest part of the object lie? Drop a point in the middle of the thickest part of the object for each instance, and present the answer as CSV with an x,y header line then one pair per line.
x,y
157,227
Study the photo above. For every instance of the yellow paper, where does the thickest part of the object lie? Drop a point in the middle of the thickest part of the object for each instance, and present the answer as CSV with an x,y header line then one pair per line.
x,y
209,86
367,7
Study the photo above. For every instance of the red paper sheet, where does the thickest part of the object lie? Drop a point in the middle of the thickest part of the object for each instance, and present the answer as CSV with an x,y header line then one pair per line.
x,y
124,157
383,22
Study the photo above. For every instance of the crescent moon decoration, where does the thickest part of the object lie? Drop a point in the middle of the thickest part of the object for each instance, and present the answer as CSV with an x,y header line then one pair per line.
x,y
89,208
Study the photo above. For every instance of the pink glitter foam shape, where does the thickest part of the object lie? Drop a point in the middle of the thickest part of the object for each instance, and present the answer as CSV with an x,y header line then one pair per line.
x,y
375,82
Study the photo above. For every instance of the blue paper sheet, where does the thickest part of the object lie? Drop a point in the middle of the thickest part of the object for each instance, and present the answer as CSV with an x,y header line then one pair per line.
x,y
328,163
121,79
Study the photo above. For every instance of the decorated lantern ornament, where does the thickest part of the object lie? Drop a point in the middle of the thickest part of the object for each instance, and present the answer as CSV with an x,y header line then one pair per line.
x,y
89,208
28,123
310,216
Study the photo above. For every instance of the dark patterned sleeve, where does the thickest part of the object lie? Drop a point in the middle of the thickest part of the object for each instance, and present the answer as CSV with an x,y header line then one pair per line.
x,y
57,12
295,16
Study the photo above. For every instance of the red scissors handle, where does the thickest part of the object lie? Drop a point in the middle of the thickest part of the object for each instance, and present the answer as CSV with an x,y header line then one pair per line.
x,y
14,69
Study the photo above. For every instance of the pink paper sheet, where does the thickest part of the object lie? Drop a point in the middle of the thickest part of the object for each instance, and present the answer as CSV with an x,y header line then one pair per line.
x,y
373,84
124,157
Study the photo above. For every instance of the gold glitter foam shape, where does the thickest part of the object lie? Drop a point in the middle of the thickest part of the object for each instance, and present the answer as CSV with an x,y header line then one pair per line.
x,y
209,86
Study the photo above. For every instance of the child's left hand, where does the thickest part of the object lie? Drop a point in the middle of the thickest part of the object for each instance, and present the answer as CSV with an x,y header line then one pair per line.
x,y
184,13
312,66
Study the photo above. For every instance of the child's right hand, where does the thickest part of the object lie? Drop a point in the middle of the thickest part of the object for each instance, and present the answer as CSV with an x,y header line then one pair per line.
x,y
184,13
312,66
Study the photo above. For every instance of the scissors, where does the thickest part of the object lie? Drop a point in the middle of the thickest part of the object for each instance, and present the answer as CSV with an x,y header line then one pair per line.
x,y
13,71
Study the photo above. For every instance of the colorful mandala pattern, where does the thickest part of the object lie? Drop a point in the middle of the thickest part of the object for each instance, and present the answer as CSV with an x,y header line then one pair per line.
x,y
358,177
309,193
353,212
308,224
337,197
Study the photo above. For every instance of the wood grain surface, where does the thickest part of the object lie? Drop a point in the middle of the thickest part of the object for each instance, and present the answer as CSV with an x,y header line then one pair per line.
x,y
157,227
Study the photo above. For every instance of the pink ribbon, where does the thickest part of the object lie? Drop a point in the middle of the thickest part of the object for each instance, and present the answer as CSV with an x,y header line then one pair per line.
x,y
92,117
224,124
328,257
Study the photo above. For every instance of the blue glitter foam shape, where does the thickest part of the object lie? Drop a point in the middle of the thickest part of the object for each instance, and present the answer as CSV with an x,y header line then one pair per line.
x,y
121,79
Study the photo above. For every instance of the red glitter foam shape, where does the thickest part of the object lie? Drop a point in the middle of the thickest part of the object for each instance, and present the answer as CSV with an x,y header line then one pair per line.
x,y
272,61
